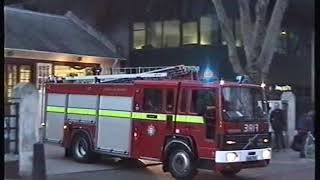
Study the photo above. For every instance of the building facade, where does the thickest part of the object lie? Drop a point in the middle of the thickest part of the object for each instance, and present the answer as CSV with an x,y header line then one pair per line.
x,y
171,32
38,45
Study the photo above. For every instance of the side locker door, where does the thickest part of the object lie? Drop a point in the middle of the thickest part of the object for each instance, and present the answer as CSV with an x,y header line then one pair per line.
x,y
55,114
153,118
114,125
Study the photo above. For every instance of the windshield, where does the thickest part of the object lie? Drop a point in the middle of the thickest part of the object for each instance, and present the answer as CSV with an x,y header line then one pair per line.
x,y
243,103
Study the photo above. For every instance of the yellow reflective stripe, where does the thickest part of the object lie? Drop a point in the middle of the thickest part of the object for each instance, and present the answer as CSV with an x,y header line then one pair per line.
x,y
189,119
120,114
149,116
82,111
127,114
55,109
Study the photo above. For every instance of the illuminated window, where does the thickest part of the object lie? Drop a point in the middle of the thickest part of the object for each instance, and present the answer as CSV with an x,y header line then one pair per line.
x,y
67,71
155,34
171,34
11,78
208,30
25,73
43,72
16,74
190,33
139,35
238,35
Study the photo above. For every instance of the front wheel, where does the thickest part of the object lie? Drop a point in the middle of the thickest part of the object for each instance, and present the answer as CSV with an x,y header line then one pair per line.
x,y
81,149
182,164
230,172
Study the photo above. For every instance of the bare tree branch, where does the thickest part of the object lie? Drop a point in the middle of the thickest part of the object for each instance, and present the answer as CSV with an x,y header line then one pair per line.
x,y
259,27
272,35
246,26
226,29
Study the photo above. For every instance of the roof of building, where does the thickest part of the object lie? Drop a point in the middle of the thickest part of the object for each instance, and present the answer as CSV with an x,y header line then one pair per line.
x,y
30,30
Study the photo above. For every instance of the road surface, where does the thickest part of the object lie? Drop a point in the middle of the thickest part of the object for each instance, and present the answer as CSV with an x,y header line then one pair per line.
x,y
284,165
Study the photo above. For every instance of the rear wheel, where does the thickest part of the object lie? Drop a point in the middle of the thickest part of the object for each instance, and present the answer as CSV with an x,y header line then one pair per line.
x,y
230,172
81,149
181,164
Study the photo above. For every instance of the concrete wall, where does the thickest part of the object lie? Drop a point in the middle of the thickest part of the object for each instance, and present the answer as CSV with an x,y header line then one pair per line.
x,y
29,124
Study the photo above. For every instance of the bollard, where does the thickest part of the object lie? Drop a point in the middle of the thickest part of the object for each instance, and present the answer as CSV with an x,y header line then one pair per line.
x,y
39,163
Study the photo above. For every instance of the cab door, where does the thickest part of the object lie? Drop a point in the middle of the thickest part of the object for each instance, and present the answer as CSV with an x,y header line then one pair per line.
x,y
197,117
153,119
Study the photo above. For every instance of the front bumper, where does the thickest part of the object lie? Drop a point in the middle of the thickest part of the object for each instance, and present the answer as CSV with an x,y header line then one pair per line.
x,y
242,158
241,165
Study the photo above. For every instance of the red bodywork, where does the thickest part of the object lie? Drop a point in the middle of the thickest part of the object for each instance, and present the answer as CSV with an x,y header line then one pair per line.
x,y
151,147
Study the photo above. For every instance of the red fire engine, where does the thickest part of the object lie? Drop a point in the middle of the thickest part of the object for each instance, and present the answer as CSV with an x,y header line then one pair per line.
x,y
185,124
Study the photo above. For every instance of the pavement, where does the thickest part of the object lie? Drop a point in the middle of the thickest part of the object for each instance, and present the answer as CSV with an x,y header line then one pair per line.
x,y
284,165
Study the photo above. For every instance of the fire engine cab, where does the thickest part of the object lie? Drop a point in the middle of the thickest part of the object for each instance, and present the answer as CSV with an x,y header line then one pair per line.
x,y
185,124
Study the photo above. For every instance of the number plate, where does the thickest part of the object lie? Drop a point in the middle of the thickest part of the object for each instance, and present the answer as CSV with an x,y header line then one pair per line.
x,y
252,158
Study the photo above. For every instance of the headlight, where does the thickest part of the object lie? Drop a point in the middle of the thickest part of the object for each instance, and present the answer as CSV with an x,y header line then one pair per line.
x,y
232,157
266,154
230,142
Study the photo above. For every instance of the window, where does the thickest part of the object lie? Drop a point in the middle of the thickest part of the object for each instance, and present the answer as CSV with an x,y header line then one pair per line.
x,y
208,30
238,35
25,73
66,71
183,102
43,72
190,33
203,104
139,35
170,100
12,78
201,100
16,74
155,34
152,100
171,34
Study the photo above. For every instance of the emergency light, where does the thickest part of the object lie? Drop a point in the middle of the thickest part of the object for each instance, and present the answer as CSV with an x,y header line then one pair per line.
x,y
208,74
243,79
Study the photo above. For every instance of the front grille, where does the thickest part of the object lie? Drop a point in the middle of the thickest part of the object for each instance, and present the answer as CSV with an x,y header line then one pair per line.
x,y
243,139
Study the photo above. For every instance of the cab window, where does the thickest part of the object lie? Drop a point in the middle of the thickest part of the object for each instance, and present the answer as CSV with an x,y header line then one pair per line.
x,y
183,101
153,100
170,100
203,103
202,100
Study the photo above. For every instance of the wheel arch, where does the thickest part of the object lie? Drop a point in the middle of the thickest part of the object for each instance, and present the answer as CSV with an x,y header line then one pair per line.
x,y
181,141
82,132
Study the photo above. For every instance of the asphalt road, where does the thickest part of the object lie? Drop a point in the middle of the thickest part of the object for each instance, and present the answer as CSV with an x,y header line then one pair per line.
x,y
284,165
155,173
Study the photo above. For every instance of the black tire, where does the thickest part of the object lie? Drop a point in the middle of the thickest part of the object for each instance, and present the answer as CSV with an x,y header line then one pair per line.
x,y
230,172
181,164
81,149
